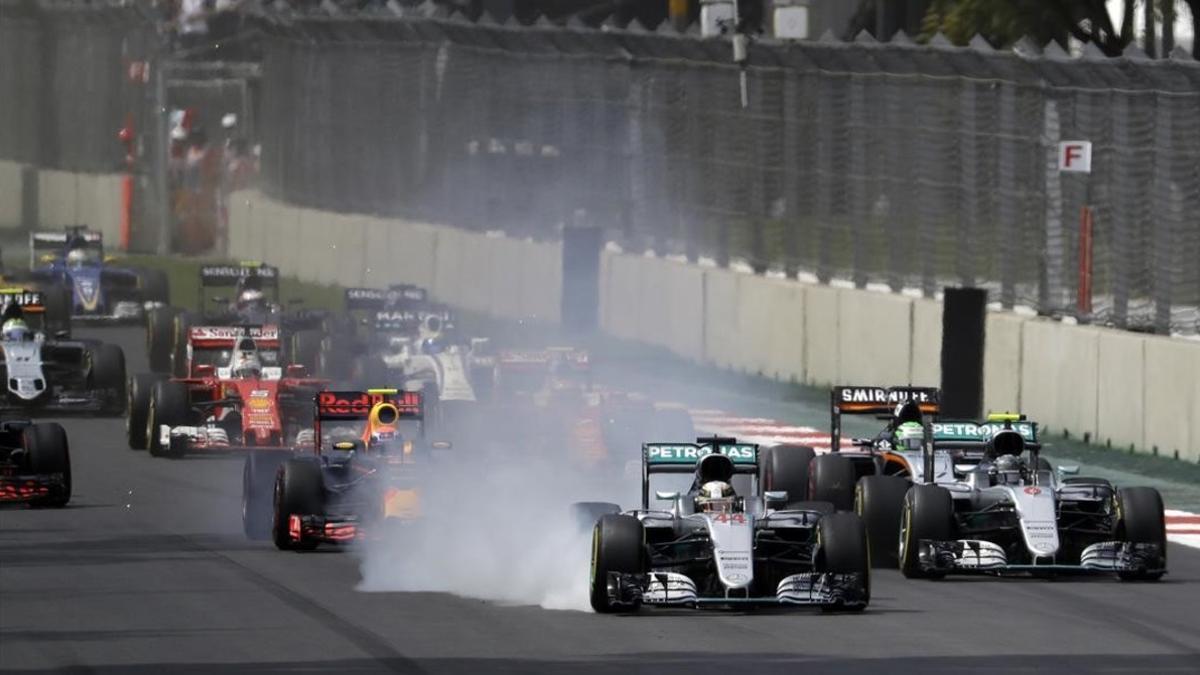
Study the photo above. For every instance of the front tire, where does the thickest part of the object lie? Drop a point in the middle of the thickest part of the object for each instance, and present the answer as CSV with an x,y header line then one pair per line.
x,y
879,501
48,452
108,374
169,405
258,475
618,545
160,338
843,549
832,479
1143,522
299,491
139,389
928,514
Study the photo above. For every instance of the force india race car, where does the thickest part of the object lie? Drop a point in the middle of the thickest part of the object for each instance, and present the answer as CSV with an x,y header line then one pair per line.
x,y
1005,513
365,470
98,290
35,464
236,398
712,547
55,375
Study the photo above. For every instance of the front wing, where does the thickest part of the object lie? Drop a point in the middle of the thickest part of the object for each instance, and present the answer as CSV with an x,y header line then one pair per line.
x,y
819,589
967,556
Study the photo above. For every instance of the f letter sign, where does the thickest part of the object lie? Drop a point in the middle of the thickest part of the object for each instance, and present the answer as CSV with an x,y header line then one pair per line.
x,y
1075,156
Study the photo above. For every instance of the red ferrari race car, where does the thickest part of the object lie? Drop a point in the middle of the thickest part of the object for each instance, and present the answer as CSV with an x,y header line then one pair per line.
x,y
365,469
35,464
237,397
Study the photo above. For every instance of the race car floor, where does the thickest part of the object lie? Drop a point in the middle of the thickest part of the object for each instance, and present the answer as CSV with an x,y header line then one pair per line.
x,y
147,572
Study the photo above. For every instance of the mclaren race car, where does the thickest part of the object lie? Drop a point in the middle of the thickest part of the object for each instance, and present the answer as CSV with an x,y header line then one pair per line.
x,y
54,374
365,470
35,464
711,547
1007,514
99,290
236,397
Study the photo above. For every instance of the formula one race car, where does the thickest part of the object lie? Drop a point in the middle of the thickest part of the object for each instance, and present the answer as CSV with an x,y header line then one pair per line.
x,y
237,397
365,470
255,303
52,375
714,548
98,290
1006,514
35,463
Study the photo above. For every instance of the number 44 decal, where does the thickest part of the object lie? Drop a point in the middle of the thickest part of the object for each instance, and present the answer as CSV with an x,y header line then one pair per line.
x,y
734,518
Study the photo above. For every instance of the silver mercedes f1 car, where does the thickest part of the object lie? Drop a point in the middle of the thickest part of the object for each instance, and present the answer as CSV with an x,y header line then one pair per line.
x,y
714,548
1008,513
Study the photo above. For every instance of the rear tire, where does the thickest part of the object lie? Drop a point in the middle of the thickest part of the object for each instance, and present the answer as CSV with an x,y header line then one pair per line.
x,y
618,545
832,479
1143,522
58,303
844,550
879,501
585,514
784,468
160,338
155,286
48,452
306,345
108,374
169,405
299,491
179,344
138,407
928,514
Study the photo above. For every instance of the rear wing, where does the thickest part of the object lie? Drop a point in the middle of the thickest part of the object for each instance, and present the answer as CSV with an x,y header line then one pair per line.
x,y
230,275
45,243
401,296
660,458
27,299
969,434
878,401
265,337
357,405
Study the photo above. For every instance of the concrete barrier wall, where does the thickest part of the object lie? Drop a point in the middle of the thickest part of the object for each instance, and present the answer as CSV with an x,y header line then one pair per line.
x,y
1113,386
66,198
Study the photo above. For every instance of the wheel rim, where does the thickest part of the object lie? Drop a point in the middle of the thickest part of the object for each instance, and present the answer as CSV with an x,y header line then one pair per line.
x,y
150,424
904,529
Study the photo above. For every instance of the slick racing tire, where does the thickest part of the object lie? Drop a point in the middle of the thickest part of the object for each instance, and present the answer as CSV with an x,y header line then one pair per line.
x,y
831,478
784,468
842,549
160,338
299,491
928,513
154,286
138,392
584,515
1142,522
258,476
108,375
618,545
179,343
306,345
879,501
169,405
48,453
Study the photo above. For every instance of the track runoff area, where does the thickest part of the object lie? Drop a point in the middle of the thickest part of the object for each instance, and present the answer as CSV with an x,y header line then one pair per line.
x,y
1183,527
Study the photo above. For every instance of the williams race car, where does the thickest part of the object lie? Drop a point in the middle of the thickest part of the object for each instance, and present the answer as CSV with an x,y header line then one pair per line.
x,y
35,464
1007,514
365,470
99,291
54,375
237,397
714,548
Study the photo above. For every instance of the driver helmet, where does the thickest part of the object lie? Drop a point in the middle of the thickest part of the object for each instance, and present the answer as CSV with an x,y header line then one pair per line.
x,y
1009,463
15,329
245,363
431,345
909,436
76,258
715,497
251,298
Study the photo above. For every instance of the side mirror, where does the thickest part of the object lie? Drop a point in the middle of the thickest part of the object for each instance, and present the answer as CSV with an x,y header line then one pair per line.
x,y
295,301
965,468
220,299
62,334
666,496
297,371
441,445
203,370
775,496
1064,470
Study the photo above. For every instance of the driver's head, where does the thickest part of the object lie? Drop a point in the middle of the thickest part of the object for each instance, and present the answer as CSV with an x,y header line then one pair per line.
x,y
15,329
909,436
245,363
1008,463
76,258
909,411
432,345
715,497
251,298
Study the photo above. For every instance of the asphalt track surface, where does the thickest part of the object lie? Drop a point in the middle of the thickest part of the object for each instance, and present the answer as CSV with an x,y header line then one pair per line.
x,y
147,572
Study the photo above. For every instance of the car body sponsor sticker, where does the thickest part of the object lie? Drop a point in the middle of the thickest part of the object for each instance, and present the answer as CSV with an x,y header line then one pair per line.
x,y
687,453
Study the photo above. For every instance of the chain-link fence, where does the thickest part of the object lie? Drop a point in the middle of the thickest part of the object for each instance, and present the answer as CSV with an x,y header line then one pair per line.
x,y
898,165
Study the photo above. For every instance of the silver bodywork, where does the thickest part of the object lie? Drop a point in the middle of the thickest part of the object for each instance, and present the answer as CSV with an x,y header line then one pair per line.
x,y
23,361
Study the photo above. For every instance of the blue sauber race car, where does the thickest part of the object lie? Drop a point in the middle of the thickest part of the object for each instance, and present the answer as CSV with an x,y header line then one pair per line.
x,y
100,291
